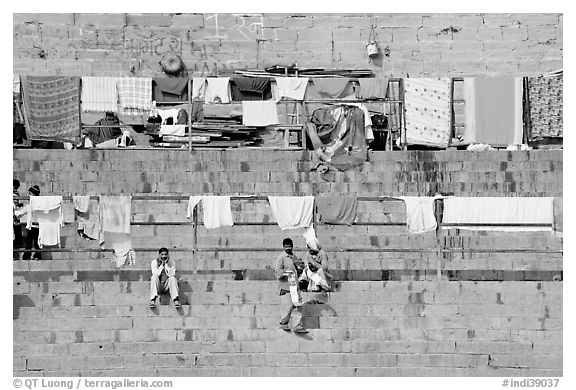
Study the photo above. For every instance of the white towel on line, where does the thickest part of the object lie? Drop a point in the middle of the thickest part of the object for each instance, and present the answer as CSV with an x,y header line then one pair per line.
x,y
115,213
291,87
217,87
420,216
198,88
42,204
99,94
499,210
292,212
81,202
216,210
49,224
259,113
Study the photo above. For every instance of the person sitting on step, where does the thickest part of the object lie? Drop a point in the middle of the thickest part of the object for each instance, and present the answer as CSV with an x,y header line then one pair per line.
x,y
163,278
316,271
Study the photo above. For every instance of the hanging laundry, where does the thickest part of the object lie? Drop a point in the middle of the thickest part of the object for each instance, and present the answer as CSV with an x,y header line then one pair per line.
x,y
134,95
121,244
373,88
499,211
192,203
338,136
216,210
99,94
49,224
259,113
331,88
217,90
198,88
250,88
52,107
81,203
428,111
558,214
16,83
545,95
420,217
173,89
493,110
336,210
88,217
115,213
46,211
291,87
292,212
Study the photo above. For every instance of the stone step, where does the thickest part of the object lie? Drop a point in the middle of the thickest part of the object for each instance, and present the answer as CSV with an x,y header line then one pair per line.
x,y
295,371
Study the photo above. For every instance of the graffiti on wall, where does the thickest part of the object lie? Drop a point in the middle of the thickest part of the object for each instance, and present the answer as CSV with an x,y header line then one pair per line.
x,y
246,25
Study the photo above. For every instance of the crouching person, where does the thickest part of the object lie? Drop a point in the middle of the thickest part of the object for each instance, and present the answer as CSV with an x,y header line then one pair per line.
x,y
316,271
163,278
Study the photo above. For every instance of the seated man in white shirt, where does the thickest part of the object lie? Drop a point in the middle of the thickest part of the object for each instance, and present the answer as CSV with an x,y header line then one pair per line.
x,y
163,278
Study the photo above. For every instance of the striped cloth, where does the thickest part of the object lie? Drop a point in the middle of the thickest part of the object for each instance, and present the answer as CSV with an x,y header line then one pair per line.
x,y
134,95
428,113
99,94
52,106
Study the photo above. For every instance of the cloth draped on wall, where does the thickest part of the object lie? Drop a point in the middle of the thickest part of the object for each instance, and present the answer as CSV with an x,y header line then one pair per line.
x,y
493,110
545,94
338,136
291,87
420,217
134,95
52,106
428,111
250,88
88,217
259,113
170,89
499,210
217,90
115,213
98,135
216,210
292,212
336,210
373,88
99,94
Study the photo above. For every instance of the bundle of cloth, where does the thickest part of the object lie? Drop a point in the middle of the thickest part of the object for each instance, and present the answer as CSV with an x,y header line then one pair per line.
x,y
338,136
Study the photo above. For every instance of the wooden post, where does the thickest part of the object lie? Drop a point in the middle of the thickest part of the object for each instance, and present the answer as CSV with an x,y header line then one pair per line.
x,y
80,108
189,115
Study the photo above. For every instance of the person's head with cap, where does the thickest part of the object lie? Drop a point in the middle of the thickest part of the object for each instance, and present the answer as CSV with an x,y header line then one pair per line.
x,y
313,245
34,190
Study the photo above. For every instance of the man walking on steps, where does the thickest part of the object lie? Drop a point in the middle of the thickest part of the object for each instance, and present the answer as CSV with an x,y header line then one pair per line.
x,y
286,269
163,278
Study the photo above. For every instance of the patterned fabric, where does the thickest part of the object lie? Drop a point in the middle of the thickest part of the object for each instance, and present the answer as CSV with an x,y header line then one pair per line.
x,y
428,113
134,95
52,104
546,106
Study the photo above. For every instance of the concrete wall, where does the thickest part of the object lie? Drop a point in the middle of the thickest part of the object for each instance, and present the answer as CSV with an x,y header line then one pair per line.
x,y
452,303
216,44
